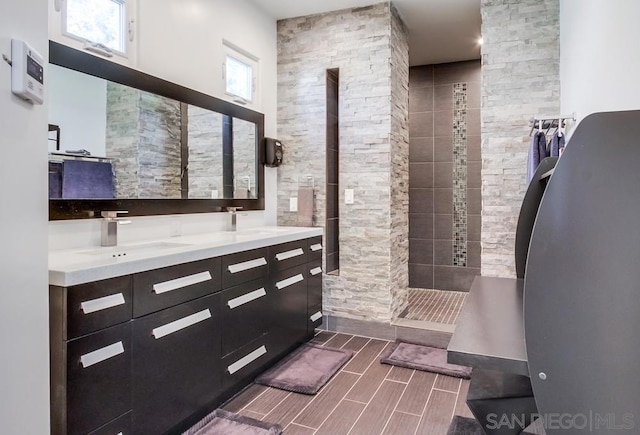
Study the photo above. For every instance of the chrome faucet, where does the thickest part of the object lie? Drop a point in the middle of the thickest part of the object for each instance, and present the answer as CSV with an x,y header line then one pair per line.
x,y
231,224
110,224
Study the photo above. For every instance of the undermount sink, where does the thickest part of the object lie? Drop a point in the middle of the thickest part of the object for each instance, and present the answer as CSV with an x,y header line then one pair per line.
x,y
123,251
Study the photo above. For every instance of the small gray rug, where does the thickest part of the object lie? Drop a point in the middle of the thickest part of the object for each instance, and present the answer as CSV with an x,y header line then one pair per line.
x,y
305,370
467,426
418,357
221,422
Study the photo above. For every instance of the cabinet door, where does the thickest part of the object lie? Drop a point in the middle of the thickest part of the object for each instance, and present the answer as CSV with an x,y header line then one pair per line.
x,y
119,426
314,319
98,378
241,367
289,308
158,289
176,364
245,314
315,248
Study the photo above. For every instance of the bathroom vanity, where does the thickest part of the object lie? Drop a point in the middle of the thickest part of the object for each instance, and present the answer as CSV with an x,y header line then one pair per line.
x,y
148,338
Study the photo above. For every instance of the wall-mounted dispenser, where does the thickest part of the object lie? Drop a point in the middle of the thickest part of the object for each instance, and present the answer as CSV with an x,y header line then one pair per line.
x,y
273,152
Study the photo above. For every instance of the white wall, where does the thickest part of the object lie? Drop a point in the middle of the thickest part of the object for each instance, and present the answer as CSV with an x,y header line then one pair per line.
x,y
78,104
24,325
599,59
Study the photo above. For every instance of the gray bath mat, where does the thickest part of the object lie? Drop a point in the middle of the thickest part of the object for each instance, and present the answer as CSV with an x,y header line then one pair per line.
x,y
467,426
306,370
418,357
221,422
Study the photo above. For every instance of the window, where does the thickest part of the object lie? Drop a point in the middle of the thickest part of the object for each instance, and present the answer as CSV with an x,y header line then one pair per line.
x,y
240,74
104,27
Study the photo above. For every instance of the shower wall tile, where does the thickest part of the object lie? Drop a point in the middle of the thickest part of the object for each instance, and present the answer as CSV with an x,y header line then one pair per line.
x,y
442,123
421,100
442,252
421,124
474,201
474,224
443,149
443,227
420,175
443,201
421,251
473,174
420,225
457,72
421,201
421,276
420,77
454,278
473,148
421,150
443,97
441,83
443,175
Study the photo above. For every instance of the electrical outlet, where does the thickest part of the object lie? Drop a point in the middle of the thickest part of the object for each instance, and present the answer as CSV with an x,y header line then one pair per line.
x,y
348,196
175,226
293,204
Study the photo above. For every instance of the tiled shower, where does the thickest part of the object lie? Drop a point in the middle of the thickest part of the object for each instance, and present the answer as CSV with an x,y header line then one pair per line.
x,y
444,175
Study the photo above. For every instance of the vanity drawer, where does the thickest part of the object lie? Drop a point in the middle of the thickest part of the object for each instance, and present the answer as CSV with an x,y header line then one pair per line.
x,y
98,378
97,305
176,364
289,309
163,288
287,255
244,266
245,314
314,283
245,363
314,319
121,425
315,248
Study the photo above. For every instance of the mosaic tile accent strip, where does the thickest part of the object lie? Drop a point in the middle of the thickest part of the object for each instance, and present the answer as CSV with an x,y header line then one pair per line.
x,y
460,174
436,306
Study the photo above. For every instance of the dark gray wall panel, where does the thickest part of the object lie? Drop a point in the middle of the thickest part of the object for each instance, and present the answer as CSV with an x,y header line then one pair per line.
x,y
582,286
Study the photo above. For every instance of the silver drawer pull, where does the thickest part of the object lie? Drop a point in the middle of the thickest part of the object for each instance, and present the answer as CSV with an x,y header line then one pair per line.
x,y
246,265
289,254
246,360
97,356
316,247
246,298
315,271
99,304
178,283
316,316
289,281
177,325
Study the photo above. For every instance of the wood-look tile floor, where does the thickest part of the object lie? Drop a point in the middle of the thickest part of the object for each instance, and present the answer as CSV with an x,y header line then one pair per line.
x,y
435,306
364,397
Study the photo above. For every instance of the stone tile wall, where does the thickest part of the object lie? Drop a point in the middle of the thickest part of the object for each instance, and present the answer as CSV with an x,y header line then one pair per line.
x,y
143,141
368,46
520,78
205,153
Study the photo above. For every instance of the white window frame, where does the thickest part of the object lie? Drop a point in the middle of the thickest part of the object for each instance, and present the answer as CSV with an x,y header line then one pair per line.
x,y
57,25
243,56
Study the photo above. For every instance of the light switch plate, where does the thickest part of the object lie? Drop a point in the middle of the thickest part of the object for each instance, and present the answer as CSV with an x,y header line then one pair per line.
x,y
293,204
348,196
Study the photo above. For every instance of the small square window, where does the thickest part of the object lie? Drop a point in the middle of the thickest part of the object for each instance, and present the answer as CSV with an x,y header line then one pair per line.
x,y
238,78
240,74
99,21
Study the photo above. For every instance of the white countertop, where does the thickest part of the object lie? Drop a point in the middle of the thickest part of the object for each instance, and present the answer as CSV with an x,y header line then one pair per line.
x,y
78,266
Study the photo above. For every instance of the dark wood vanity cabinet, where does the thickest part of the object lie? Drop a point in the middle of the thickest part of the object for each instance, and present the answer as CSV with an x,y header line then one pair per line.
x,y
153,352
175,364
